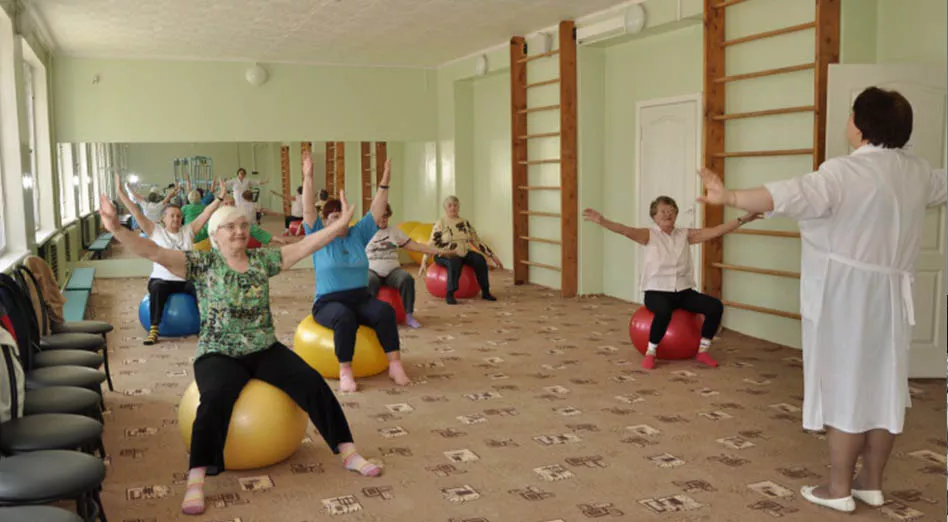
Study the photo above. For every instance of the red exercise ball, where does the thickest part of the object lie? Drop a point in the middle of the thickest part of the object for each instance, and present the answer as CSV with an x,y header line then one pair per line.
x,y
296,228
391,296
436,280
253,243
681,340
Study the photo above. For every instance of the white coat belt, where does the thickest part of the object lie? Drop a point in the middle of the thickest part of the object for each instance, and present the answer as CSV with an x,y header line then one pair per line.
x,y
908,280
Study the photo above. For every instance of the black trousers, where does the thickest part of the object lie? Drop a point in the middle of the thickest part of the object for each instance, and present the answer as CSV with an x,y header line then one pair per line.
x,y
220,379
343,312
400,280
662,304
158,292
456,263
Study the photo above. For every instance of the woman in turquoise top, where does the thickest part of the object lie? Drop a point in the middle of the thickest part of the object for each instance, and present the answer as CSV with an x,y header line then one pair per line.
x,y
343,301
237,342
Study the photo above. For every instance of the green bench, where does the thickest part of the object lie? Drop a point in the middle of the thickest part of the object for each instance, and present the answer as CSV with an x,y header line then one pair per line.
x,y
75,307
80,279
101,244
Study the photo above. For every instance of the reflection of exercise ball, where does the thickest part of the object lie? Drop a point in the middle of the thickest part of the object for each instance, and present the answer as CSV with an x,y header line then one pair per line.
x,y
253,243
203,246
296,228
407,226
436,281
179,319
681,338
265,428
420,234
314,343
391,296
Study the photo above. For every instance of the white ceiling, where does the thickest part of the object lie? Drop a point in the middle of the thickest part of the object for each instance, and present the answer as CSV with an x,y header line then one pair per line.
x,y
412,33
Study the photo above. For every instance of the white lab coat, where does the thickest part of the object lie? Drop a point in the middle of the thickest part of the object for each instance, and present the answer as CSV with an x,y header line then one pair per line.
x,y
239,187
861,222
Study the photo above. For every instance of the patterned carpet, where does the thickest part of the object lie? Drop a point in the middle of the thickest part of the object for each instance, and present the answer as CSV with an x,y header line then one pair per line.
x,y
531,409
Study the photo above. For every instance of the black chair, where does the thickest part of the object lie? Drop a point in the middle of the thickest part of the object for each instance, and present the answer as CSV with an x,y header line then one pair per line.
x,y
44,477
37,514
100,328
63,399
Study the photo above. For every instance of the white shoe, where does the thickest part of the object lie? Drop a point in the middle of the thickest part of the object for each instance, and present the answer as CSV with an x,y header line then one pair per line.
x,y
845,504
871,497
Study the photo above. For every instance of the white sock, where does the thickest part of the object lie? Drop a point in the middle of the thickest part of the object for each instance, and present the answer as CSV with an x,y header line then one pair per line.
x,y
705,345
652,347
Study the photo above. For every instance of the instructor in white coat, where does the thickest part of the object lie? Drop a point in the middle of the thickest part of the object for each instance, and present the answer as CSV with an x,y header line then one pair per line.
x,y
860,222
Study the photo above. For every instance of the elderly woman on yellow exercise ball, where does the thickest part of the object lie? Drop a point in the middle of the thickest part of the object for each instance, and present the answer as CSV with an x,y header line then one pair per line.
x,y
861,219
453,233
668,273
342,300
237,341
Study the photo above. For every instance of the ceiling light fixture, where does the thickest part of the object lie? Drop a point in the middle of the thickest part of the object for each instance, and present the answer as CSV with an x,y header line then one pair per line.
x,y
256,75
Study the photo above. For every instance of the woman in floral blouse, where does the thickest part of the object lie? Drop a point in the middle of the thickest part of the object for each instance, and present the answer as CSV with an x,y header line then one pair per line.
x,y
452,232
237,342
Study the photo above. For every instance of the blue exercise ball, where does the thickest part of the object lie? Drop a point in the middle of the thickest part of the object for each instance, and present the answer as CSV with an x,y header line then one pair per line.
x,y
180,318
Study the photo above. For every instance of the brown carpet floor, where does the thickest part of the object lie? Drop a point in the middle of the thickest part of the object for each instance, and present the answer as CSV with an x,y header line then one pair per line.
x,y
531,409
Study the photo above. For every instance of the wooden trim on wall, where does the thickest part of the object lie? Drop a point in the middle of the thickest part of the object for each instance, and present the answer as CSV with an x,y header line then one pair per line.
x,y
827,52
381,156
330,168
366,157
519,169
569,201
714,104
285,175
340,170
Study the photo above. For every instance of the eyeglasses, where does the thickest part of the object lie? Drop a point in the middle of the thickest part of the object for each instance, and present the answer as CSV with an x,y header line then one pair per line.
x,y
230,227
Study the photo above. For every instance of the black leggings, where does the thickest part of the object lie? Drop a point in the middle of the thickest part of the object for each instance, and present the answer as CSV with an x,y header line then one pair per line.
x,y
662,304
289,219
221,378
159,291
455,264
343,312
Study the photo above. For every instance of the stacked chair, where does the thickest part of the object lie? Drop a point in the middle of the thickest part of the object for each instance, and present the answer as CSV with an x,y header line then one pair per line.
x,y
51,447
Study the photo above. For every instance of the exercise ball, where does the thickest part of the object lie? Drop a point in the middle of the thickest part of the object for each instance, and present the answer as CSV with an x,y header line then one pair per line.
x,y
265,428
296,228
253,243
203,246
420,234
407,226
391,296
179,319
314,343
681,338
436,281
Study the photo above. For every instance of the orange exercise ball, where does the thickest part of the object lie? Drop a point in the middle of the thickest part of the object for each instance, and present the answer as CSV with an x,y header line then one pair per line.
x,y
682,337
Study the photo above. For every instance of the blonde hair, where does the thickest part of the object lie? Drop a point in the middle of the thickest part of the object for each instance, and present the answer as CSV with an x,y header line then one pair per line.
x,y
451,199
221,217
194,197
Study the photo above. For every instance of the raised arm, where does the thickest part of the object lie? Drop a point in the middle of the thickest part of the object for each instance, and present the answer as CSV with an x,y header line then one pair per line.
x,y
170,195
174,260
208,211
700,235
639,235
309,192
293,253
146,224
381,196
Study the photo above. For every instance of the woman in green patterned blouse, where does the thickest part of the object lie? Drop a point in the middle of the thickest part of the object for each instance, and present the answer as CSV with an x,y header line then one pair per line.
x,y
237,342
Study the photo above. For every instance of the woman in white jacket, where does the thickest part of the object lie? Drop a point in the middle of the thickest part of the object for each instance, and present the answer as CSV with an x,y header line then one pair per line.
x,y
860,222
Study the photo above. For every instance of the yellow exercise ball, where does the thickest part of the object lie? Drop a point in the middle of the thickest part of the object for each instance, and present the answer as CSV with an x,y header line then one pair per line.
x,y
203,246
407,226
420,234
265,428
315,344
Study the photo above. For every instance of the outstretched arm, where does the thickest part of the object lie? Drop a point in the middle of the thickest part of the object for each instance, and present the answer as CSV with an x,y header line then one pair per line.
x,y
208,211
639,235
174,260
381,195
293,253
752,200
280,195
700,235
415,246
146,224
309,192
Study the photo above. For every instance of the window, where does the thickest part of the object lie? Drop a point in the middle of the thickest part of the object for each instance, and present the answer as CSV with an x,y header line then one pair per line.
x,y
32,182
68,183
85,187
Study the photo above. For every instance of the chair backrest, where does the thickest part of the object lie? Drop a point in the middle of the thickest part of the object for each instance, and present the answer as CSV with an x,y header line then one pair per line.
x,y
22,317
12,377
31,287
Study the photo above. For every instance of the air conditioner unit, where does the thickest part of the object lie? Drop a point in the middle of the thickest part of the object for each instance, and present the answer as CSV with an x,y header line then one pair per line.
x,y
629,21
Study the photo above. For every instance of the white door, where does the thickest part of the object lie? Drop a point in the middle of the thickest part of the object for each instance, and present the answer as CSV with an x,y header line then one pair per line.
x,y
668,147
924,87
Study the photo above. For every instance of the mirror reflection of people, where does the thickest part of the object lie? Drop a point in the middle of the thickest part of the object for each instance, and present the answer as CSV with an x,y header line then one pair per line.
x,y
296,208
861,218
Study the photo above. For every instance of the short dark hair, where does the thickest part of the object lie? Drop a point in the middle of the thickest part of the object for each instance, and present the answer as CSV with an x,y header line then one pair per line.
x,y
661,200
241,169
324,194
333,205
883,117
299,190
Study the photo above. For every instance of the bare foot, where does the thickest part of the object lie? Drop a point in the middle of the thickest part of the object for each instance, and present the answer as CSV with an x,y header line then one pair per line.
x,y
397,373
347,383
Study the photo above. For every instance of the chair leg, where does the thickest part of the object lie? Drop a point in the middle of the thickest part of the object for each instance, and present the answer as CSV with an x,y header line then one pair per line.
x,y
100,509
100,447
105,359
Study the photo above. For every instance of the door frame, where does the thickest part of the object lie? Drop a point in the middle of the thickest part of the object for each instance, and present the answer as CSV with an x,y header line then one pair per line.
x,y
698,99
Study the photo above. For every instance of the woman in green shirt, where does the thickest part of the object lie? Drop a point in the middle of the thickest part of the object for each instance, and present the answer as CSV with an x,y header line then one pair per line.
x,y
237,342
